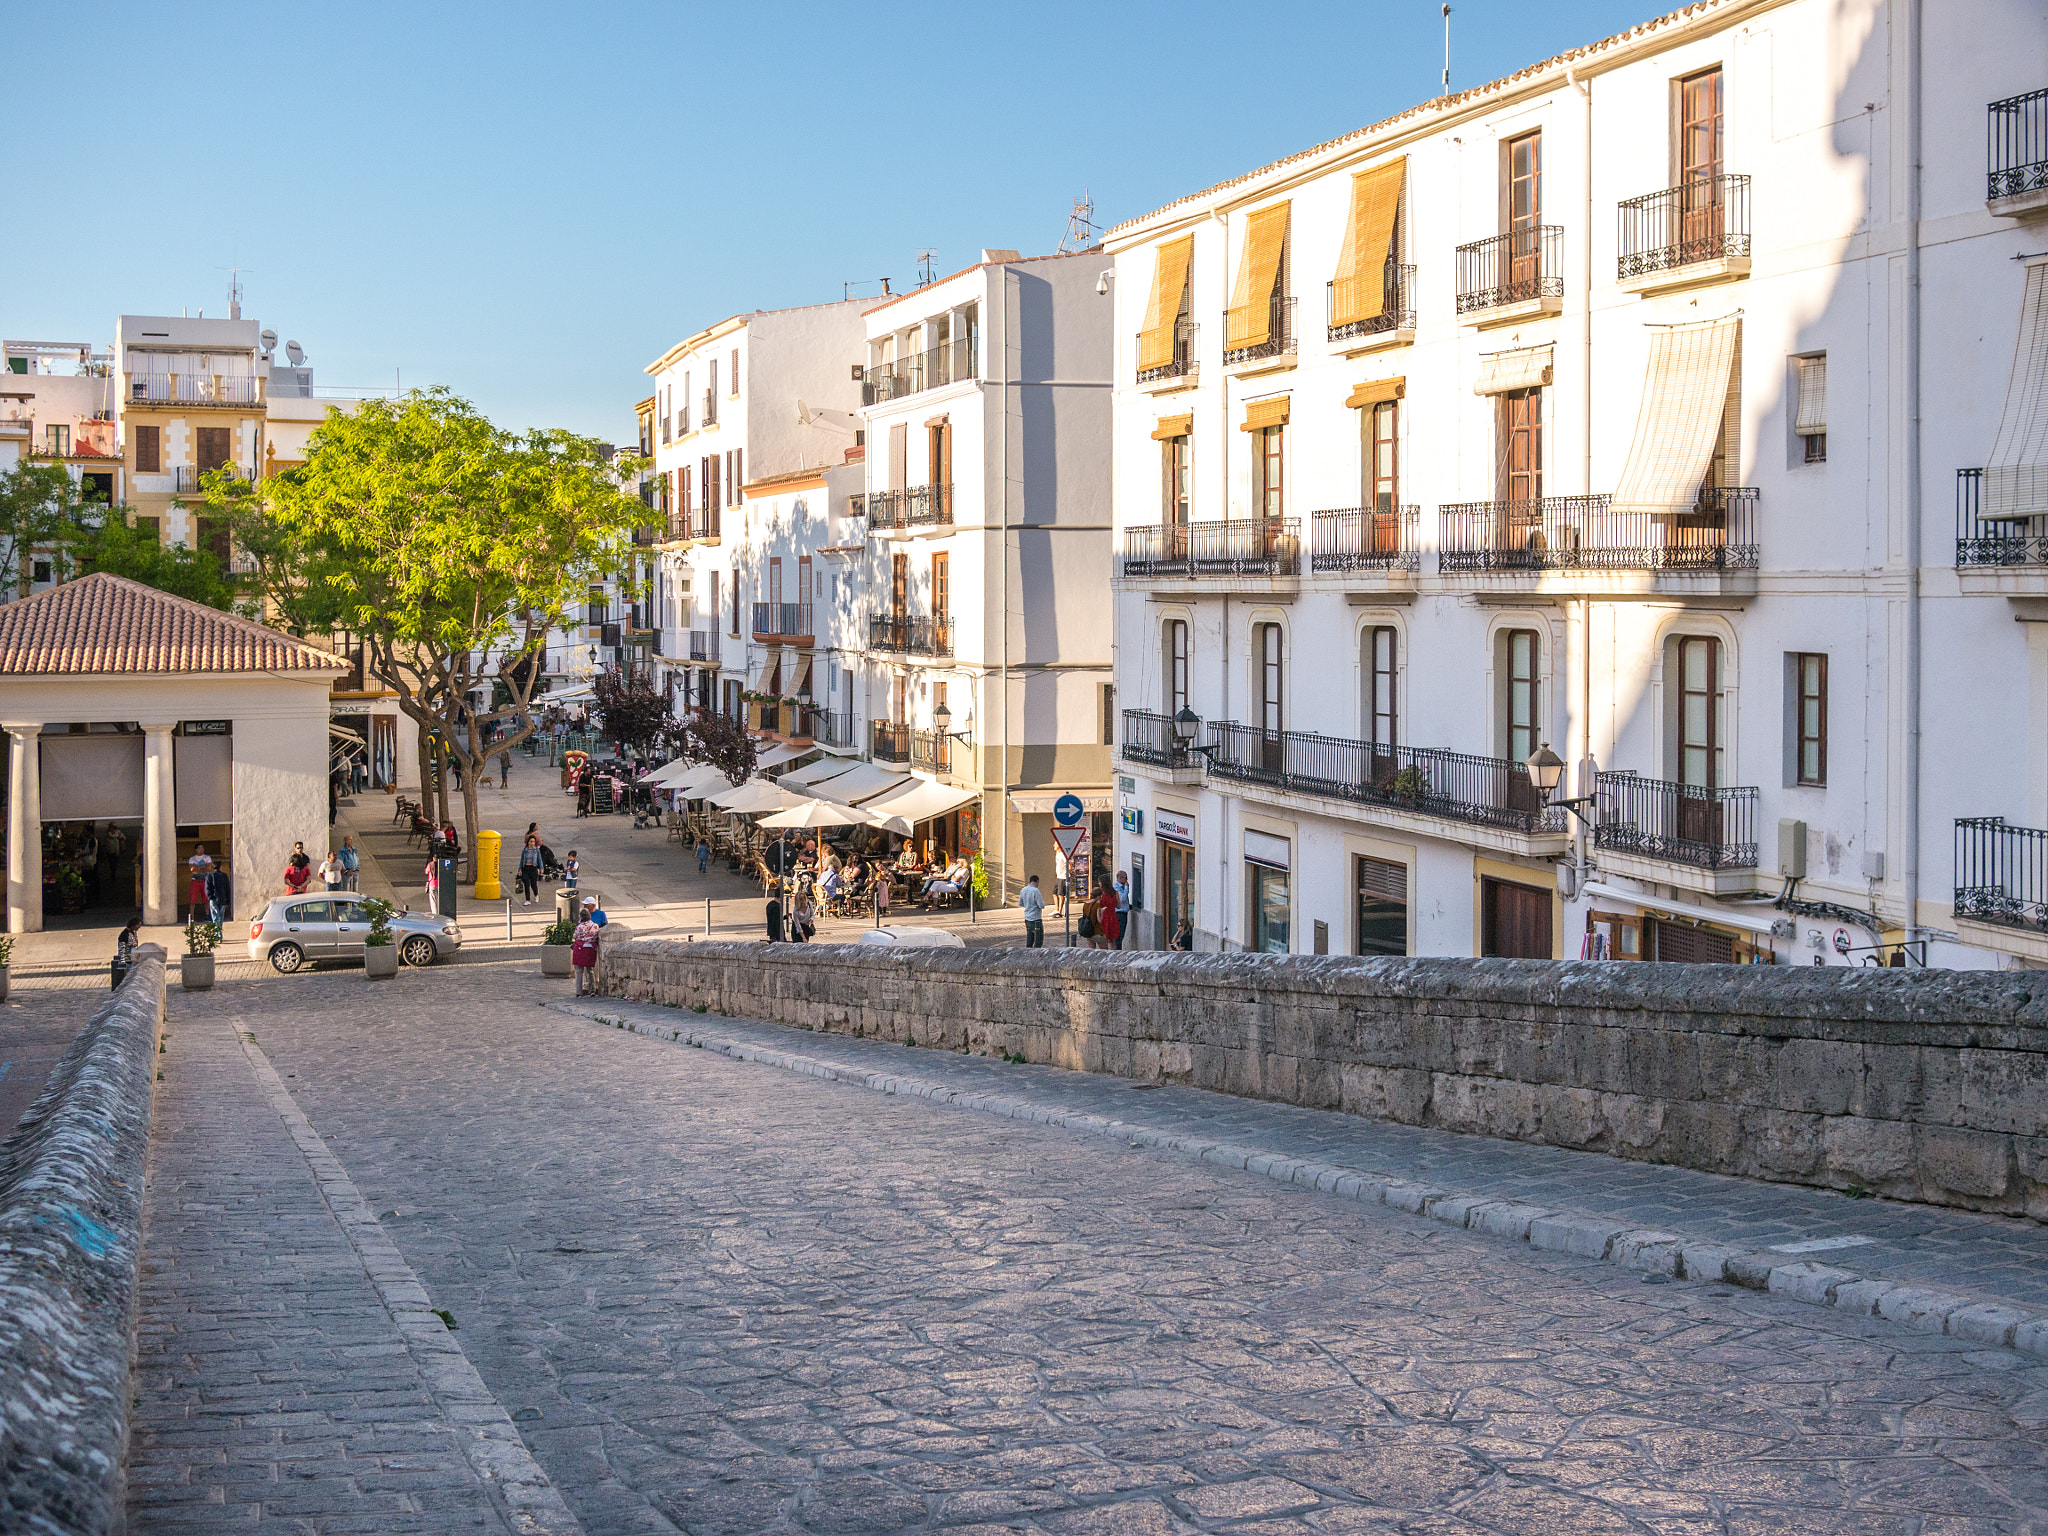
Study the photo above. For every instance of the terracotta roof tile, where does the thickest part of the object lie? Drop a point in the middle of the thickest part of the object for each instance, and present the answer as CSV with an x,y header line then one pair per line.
x,y
102,624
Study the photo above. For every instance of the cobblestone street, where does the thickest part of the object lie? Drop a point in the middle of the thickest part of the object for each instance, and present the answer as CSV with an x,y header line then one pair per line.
x,y
717,1297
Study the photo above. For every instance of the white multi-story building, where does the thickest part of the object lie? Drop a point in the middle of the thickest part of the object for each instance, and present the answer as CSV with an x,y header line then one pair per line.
x,y
986,662
1679,404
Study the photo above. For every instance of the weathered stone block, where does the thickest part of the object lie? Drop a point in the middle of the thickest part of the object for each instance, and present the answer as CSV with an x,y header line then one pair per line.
x,y
1966,1162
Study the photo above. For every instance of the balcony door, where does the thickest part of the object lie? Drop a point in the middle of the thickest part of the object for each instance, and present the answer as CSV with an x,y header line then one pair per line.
x,y
1701,217
1382,670
1382,476
1174,466
899,586
775,594
1271,680
1524,189
1699,738
1176,668
1519,473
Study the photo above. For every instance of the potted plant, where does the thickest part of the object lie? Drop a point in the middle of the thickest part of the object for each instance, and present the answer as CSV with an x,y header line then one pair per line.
x,y
554,947
70,890
195,974
380,953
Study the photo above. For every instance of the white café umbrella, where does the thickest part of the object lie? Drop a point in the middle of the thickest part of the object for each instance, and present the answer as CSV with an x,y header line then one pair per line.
x,y
817,813
755,796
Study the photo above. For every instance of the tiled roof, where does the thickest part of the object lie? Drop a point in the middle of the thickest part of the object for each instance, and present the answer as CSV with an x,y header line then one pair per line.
x,y
102,624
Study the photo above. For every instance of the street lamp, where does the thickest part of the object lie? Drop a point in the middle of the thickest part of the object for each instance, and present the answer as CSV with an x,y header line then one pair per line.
x,y
942,719
1546,772
1185,724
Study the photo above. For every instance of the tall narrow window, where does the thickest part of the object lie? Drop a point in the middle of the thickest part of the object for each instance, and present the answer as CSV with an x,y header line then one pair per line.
x,y
899,585
149,453
1382,462
1701,214
735,476
1109,714
715,607
734,385
1523,216
1812,712
1811,420
1176,666
942,585
1268,470
1524,702
899,456
1271,644
1382,907
775,589
804,580
1382,668
1174,465
1699,701
1521,446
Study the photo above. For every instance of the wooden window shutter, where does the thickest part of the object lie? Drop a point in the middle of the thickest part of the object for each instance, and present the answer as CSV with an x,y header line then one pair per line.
x,y
734,385
1162,307
899,456
1358,292
942,585
1248,321
148,451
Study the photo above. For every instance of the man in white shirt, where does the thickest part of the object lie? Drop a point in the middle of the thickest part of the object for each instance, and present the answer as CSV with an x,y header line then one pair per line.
x,y
1032,900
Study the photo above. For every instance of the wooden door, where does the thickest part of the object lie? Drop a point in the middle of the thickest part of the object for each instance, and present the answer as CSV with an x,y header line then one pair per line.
x,y
1514,920
1524,216
1383,490
1701,215
1271,720
899,585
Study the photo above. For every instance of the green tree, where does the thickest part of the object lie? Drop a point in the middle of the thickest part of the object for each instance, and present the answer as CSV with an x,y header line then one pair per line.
x,y
449,548
43,512
110,544
631,713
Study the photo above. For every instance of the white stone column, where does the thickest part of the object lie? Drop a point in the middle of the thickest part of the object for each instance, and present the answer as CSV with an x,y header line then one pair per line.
x,y
159,828
24,827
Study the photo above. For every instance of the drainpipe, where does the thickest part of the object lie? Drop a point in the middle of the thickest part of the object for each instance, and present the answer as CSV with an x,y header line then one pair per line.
x,y
1585,773
1913,488
1003,294
1223,886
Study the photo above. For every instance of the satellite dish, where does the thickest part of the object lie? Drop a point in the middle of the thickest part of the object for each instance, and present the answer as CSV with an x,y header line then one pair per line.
x,y
803,414
295,352
269,340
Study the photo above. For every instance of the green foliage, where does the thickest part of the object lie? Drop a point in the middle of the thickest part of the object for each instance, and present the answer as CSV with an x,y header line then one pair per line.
x,y
561,931
115,547
380,914
6,950
43,512
980,882
70,881
201,937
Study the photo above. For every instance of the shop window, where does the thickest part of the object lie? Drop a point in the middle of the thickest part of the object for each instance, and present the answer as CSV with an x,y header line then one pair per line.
x,y
1382,891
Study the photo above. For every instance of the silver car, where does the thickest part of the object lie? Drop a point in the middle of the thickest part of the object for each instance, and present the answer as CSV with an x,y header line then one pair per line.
x,y
297,931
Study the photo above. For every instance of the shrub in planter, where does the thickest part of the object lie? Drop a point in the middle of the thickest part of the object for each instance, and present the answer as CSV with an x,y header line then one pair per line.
x,y
195,972
380,954
554,948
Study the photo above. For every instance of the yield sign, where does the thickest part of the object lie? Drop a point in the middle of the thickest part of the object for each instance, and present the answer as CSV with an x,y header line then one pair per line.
x,y
1069,838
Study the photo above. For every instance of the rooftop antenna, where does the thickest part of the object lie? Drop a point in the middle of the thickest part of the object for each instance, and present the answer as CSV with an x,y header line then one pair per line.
x,y
1447,48
1080,226
926,274
234,290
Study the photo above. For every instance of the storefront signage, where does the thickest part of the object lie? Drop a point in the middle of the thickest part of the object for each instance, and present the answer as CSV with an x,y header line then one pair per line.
x,y
1264,848
1134,821
205,728
1174,827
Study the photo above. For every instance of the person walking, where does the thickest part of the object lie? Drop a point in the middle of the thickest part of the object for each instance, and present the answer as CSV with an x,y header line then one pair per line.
x,y
220,899
195,890
1123,907
433,873
1106,930
529,868
583,949
774,912
1032,900
351,863
505,769
703,856
333,798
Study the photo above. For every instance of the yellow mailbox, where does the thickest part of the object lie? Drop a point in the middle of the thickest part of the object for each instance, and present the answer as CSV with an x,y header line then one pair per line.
x,y
487,887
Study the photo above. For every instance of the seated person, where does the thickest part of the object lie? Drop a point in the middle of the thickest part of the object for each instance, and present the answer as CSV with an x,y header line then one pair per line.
x,y
950,881
831,884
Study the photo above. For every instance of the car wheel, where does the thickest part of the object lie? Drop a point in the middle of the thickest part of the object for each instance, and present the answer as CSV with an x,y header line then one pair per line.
x,y
417,950
286,958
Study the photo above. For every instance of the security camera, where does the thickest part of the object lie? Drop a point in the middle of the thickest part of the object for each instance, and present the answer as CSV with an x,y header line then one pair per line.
x,y
1102,284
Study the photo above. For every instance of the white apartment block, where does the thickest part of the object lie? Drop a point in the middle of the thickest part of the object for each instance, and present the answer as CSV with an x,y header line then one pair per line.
x,y
1678,405
756,396
985,667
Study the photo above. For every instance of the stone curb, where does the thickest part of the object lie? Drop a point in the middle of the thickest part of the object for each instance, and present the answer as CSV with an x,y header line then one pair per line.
x,y
1646,1250
530,1504
70,1253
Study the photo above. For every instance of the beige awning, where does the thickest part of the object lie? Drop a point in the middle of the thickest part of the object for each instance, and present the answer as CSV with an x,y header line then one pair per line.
x,y
1687,398
754,796
2016,473
920,800
776,756
1373,391
1358,291
1173,426
1249,320
863,781
797,675
1162,309
1503,373
1811,419
764,670
1261,414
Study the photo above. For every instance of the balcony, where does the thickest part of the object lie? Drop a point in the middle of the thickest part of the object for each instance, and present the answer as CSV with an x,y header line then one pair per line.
x,y
1584,545
1393,326
1512,276
1277,350
202,389
920,507
1383,541
912,636
1149,743
932,751
949,362
834,728
2001,875
702,524
1257,548
666,439
2016,155
889,741
704,645
1419,789
709,416
1997,556
1647,826
1696,232
186,479
1181,371
786,623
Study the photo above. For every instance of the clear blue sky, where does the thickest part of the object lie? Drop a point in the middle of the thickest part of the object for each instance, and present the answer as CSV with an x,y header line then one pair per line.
x,y
529,203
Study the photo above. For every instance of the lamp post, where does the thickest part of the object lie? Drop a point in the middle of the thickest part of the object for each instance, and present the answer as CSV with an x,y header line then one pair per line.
x,y
1185,725
1546,772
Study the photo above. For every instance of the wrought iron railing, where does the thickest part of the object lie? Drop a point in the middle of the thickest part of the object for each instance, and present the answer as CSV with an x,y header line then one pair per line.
x,y
710,412
921,506
1365,539
703,645
2001,873
1150,738
1513,268
1590,533
704,523
1453,786
2016,146
947,363
666,426
888,741
835,727
193,389
1397,302
917,635
776,621
1705,219
1281,338
1264,546
2004,541
1683,823
1186,362
931,751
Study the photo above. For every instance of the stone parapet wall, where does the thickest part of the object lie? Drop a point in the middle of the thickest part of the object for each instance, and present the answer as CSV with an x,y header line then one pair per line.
x,y
1923,1085
70,1235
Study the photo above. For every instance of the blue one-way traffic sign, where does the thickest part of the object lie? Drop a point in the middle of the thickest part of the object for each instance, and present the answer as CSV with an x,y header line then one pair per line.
x,y
1067,810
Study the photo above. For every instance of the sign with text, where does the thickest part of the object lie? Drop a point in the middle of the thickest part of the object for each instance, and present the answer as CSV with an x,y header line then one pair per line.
x,y
1174,827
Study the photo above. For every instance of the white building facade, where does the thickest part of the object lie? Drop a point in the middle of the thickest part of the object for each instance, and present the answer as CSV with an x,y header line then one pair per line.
x,y
1632,407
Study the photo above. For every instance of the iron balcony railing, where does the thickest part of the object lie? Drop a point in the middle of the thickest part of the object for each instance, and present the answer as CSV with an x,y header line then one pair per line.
x,y
1513,268
188,479
1453,786
1264,546
889,741
914,635
665,430
194,389
922,506
703,645
1705,219
1186,362
595,614
2004,541
710,411
1281,337
2016,146
1397,302
1365,539
1708,828
654,642
947,363
1590,533
776,621
931,751
1149,738
704,523
835,727
2002,873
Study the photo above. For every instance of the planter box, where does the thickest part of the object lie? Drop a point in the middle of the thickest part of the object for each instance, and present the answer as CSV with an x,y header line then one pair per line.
x,y
195,973
554,960
380,961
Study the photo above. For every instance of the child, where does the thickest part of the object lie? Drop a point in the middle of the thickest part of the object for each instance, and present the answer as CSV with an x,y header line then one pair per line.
x,y
569,870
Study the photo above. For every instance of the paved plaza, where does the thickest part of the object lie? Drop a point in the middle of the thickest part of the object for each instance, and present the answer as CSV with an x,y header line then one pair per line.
x,y
709,1295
